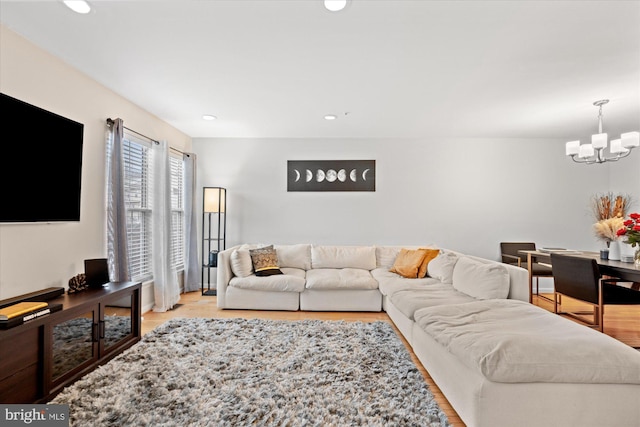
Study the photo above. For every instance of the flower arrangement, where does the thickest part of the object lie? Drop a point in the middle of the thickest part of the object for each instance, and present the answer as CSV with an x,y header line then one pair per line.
x,y
609,210
609,205
607,229
631,229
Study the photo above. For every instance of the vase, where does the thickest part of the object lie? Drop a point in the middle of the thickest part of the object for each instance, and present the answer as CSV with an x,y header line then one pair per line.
x,y
614,251
636,258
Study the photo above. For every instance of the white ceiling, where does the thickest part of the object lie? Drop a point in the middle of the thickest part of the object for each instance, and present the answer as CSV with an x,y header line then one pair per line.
x,y
387,68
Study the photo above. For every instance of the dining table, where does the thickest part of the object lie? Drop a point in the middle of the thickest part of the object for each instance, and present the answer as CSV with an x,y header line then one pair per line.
x,y
628,271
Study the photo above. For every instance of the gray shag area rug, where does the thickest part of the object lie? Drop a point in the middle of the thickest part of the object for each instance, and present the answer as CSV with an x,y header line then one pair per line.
x,y
239,372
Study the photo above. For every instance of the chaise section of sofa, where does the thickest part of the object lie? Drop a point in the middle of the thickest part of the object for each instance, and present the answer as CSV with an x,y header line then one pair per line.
x,y
503,363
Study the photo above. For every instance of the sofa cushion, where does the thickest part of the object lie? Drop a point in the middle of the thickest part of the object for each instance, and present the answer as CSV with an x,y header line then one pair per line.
x,y
441,267
389,282
511,341
265,261
294,256
292,280
361,257
408,263
340,278
386,255
408,301
241,264
481,280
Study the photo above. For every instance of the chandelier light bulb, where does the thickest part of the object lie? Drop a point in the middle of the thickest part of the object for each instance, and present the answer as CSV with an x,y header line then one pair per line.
x,y
78,6
335,5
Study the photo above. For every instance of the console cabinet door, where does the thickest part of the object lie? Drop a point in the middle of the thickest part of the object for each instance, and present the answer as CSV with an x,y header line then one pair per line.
x,y
73,345
119,324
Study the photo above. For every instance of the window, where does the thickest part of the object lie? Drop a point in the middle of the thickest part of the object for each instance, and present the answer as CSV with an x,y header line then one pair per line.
x,y
138,203
177,212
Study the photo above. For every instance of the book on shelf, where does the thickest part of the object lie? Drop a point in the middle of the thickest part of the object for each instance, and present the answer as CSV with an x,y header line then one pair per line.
x,y
23,318
20,308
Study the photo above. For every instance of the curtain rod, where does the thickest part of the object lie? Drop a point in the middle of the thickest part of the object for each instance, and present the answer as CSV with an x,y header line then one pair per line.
x,y
110,122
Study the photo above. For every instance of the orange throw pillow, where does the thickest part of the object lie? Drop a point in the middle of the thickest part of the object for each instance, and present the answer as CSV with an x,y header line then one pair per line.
x,y
408,262
431,254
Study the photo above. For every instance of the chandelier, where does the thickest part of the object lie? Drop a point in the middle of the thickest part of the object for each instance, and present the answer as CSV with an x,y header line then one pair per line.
x,y
594,152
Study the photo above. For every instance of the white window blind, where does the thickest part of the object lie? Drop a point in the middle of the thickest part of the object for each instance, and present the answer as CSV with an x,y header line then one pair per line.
x,y
177,212
138,203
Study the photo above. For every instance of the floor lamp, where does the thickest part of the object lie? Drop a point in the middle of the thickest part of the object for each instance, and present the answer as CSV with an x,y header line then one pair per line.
x,y
214,232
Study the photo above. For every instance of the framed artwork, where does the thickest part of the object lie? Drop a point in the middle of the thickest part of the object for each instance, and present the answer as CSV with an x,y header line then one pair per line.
x,y
331,175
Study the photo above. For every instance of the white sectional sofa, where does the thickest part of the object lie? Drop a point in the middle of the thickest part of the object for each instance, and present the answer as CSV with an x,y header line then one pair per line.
x,y
499,360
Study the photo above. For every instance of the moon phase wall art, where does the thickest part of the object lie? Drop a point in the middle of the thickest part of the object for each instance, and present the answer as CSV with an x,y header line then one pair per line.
x,y
331,175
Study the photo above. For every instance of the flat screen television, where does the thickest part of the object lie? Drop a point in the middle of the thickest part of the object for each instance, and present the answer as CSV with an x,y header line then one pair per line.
x,y
40,164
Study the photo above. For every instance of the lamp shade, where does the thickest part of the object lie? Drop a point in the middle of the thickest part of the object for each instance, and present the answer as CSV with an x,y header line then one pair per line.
x,y
586,150
572,148
630,139
599,140
215,199
616,146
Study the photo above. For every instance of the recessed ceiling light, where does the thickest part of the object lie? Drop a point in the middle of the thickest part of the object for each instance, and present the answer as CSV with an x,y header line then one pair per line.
x,y
78,6
330,117
335,5
208,117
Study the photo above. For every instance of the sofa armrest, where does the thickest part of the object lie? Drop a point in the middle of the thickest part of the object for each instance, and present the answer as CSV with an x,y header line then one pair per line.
x,y
518,283
224,275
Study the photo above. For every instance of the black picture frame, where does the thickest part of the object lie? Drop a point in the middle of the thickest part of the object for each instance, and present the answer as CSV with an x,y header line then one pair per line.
x,y
331,175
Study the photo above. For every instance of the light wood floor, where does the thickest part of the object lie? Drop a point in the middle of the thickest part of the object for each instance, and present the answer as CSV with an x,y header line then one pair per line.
x,y
621,322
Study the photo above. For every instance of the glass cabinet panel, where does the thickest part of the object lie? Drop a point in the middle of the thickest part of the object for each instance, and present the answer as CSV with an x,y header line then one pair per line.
x,y
117,321
73,343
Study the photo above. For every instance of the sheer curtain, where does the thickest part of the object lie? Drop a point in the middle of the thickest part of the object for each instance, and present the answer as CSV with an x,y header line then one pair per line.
x,y
191,267
166,290
118,256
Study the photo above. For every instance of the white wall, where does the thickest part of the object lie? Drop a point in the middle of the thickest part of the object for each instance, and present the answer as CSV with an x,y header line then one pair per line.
x,y
36,256
462,194
427,190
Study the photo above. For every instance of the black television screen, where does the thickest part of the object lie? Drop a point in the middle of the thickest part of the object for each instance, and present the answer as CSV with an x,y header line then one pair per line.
x,y
40,164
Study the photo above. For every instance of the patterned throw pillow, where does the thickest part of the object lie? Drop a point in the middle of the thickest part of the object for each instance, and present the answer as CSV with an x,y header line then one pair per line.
x,y
265,261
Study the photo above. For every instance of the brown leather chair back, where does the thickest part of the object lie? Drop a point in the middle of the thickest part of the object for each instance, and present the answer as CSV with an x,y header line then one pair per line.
x,y
576,277
512,248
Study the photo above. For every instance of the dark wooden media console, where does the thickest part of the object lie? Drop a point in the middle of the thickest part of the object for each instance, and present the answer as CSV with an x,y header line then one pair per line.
x,y
42,356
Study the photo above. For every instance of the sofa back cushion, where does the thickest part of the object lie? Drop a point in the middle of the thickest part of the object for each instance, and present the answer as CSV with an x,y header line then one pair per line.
x,y
294,256
481,280
363,257
241,264
441,267
386,255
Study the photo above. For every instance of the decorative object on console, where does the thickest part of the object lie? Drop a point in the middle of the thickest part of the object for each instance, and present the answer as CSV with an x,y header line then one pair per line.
x,y
331,175
214,231
594,152
77,283
96,272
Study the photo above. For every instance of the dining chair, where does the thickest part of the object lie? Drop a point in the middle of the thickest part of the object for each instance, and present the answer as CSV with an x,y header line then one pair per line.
x,y
510,255
579,278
